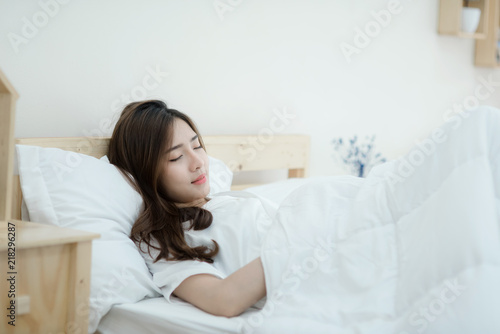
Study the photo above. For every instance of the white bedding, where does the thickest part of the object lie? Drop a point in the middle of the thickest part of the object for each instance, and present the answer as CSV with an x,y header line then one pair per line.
x,y
406,250
156,315
414,254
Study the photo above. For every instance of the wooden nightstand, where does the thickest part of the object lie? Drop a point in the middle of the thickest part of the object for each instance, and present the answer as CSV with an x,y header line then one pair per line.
x,y
50,278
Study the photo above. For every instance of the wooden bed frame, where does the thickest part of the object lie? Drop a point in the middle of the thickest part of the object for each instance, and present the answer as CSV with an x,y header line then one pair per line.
x,y
240,152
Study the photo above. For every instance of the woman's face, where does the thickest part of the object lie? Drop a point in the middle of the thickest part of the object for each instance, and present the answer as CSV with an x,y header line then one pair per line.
x,y
185,167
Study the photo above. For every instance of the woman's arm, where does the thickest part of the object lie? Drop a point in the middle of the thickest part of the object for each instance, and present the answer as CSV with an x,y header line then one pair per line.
x,y
227,297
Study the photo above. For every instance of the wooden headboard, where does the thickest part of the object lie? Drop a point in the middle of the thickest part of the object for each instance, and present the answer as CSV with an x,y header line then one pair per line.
x,y
240,152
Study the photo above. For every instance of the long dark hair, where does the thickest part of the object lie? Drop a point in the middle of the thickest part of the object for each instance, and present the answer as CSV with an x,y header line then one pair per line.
x,y
141,134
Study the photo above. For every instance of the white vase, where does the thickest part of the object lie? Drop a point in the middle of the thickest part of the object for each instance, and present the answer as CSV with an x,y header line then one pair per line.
x,y
470,19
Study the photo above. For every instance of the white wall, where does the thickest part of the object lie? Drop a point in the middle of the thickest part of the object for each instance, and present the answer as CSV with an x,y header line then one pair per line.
x,y
232,74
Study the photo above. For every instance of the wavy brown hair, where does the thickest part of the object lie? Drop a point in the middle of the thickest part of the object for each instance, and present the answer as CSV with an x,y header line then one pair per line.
x,y
141,135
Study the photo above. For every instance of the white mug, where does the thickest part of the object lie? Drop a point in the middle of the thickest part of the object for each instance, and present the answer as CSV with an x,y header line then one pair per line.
x,y
470,19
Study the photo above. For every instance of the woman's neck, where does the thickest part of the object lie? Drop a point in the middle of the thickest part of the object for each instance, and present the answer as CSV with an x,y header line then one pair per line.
x,y
199,203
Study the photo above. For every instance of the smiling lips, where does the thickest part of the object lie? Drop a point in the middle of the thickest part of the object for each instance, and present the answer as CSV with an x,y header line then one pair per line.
x,y
200,180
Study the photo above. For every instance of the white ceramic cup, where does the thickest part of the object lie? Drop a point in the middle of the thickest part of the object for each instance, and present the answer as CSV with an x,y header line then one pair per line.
x,y
470,19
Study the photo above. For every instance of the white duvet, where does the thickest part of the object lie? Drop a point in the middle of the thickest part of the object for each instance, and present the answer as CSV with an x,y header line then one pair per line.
x,y
413,248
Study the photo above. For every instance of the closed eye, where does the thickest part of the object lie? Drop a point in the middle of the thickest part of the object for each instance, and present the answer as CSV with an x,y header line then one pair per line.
x,y
172,160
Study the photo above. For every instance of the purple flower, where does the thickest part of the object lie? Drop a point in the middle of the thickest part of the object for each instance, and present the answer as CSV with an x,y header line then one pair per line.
x,y
358,156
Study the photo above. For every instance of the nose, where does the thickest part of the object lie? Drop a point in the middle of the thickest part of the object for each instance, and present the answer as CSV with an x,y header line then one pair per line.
x,y
196,161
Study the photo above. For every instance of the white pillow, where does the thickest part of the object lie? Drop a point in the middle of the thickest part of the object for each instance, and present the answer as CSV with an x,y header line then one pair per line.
x,y
78,191
220,176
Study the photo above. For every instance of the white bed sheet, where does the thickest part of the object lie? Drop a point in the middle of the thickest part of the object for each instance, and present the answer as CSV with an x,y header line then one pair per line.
x,y
156,315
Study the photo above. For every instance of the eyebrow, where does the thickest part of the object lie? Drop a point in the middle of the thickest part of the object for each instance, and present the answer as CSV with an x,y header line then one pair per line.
x,y
180,145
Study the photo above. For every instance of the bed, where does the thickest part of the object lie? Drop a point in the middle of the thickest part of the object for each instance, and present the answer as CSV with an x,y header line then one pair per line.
x,y
412,248
288,155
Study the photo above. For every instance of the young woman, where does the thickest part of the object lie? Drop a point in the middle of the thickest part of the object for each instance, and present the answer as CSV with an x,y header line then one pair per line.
x,y
362,255
194,245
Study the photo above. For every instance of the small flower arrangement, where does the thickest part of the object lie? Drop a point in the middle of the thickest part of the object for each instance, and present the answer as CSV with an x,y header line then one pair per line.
x,y
358,156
